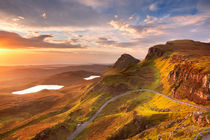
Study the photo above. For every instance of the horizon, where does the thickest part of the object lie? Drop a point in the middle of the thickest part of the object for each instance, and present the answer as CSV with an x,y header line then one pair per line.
x,y
93,31
55,65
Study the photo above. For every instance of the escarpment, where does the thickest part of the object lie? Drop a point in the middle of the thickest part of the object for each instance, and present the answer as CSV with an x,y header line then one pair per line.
x,y
189,82
154,51
184,67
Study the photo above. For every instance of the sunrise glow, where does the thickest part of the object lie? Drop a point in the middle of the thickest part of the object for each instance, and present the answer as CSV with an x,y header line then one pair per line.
x,y
86,32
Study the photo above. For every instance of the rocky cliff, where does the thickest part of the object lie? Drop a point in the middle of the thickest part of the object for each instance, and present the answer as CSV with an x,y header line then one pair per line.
x,y
189,82
154,51
185,69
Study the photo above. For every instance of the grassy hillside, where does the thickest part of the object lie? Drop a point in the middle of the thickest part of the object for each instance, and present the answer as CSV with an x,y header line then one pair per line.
x,y
38,111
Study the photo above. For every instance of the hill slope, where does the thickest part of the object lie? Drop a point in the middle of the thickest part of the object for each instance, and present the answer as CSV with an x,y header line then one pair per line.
x,y
124,61
184,68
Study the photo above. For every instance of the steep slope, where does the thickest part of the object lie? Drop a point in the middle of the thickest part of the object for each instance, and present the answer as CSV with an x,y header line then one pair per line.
x,y
124,61
185,69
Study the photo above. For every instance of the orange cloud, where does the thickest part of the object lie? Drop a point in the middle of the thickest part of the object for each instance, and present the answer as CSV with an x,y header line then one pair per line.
x,y
146,29
10,40
189,20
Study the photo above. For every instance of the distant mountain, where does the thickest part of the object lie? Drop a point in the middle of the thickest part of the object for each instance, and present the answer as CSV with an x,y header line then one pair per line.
x,y
67,78
18,76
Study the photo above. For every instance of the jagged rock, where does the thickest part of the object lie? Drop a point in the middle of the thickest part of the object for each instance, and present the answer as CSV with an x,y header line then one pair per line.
x,y
200,119
207,120
189,82
124,61
195,116
186,117
154,52
176,58
206,81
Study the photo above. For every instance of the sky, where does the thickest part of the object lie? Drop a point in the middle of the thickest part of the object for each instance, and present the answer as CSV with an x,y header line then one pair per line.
x,y
34,32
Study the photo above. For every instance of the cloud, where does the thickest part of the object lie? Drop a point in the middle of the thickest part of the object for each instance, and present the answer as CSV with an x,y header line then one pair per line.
x,y
107,42
96,4
153,7
18,18
12,40
146,29
190,19
122,26
203,5
45,14
155,30
105,25
150,19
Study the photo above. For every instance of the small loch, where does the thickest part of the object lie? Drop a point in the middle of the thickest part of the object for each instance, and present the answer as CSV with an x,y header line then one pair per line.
x,y
38,88
92,77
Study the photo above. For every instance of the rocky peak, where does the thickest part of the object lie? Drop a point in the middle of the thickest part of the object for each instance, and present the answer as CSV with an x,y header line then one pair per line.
x,y
154,51
124,61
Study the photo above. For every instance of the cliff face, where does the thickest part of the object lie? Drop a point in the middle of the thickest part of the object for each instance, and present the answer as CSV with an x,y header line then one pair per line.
x,y
184,69
154,52
189,82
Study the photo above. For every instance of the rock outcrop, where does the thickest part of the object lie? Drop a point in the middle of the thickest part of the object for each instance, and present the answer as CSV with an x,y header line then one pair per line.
x,y
184,69
200,119
124,61
189,82
154,51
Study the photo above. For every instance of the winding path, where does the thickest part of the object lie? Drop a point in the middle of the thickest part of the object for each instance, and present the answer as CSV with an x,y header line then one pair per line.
x,y
85,124
201,133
